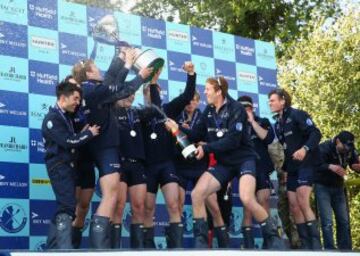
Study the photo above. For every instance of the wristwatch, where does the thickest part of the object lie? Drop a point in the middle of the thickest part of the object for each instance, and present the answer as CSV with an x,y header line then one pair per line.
x,y
307,149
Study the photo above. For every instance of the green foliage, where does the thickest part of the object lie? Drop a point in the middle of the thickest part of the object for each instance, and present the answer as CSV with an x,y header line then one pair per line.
x,y
280,20
354,206
322,73
113,5
318,64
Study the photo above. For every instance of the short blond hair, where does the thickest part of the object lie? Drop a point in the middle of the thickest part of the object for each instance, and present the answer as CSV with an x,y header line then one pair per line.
x,y
219,83
79,70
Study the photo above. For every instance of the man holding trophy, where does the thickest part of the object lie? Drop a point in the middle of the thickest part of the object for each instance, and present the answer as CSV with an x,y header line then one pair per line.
x,y
98,97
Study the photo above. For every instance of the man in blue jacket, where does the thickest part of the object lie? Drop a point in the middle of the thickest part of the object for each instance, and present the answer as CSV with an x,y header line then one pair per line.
x,y
98,100
261,135
300,139
336,154
160,169
61,143
224,128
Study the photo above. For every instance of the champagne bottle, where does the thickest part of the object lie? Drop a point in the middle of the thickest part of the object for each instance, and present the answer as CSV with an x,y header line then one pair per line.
x,y
188,150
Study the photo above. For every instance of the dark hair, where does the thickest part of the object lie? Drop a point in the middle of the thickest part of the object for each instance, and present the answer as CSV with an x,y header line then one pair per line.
x,y
219,83
246,101
282,94
68,78
197,95
345,137
67,89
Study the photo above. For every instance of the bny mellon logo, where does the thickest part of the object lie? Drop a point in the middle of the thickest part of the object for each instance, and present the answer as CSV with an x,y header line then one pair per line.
x,y
34,215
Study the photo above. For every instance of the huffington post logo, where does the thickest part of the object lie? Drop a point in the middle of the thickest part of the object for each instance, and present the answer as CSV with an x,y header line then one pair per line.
x,y
245,50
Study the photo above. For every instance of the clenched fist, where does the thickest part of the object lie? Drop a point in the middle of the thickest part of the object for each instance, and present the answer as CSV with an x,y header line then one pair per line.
x,y
189,67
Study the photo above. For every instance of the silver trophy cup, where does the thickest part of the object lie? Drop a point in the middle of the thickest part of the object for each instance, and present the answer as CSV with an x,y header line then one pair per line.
x,y
107,31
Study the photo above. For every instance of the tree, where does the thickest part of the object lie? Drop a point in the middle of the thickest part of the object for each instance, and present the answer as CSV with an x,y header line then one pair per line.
x,y
323,76
111,4
280,20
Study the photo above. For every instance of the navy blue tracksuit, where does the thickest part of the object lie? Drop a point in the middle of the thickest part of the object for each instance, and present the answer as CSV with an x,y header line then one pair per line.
x,y
264,165
295,129
98,98
185,169
132,150
61,143
227,136
159,142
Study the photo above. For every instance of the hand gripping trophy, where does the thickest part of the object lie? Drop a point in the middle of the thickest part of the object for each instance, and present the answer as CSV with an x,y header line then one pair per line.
x,y
107,31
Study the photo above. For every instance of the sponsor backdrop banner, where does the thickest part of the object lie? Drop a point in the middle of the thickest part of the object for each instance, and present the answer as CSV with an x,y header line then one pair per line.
x,y
39,42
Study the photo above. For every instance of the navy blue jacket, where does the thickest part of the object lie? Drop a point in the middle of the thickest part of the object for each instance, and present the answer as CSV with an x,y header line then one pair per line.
x,y
235,145
296,129
98,98
197,167
329,155
60,138
263,161
131,119
162,148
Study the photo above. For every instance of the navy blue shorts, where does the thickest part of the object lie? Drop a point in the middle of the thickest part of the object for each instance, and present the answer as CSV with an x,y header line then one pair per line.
x,y
263,180
107,160
186,176
224,174
133,173
303,176
160,174
85,168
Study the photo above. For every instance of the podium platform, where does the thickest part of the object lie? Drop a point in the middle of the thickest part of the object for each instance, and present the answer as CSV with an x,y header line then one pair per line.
x,y
213,252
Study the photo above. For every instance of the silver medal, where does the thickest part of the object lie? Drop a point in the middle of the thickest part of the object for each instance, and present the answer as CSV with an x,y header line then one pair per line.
x,y
153,136
219,134
132,133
